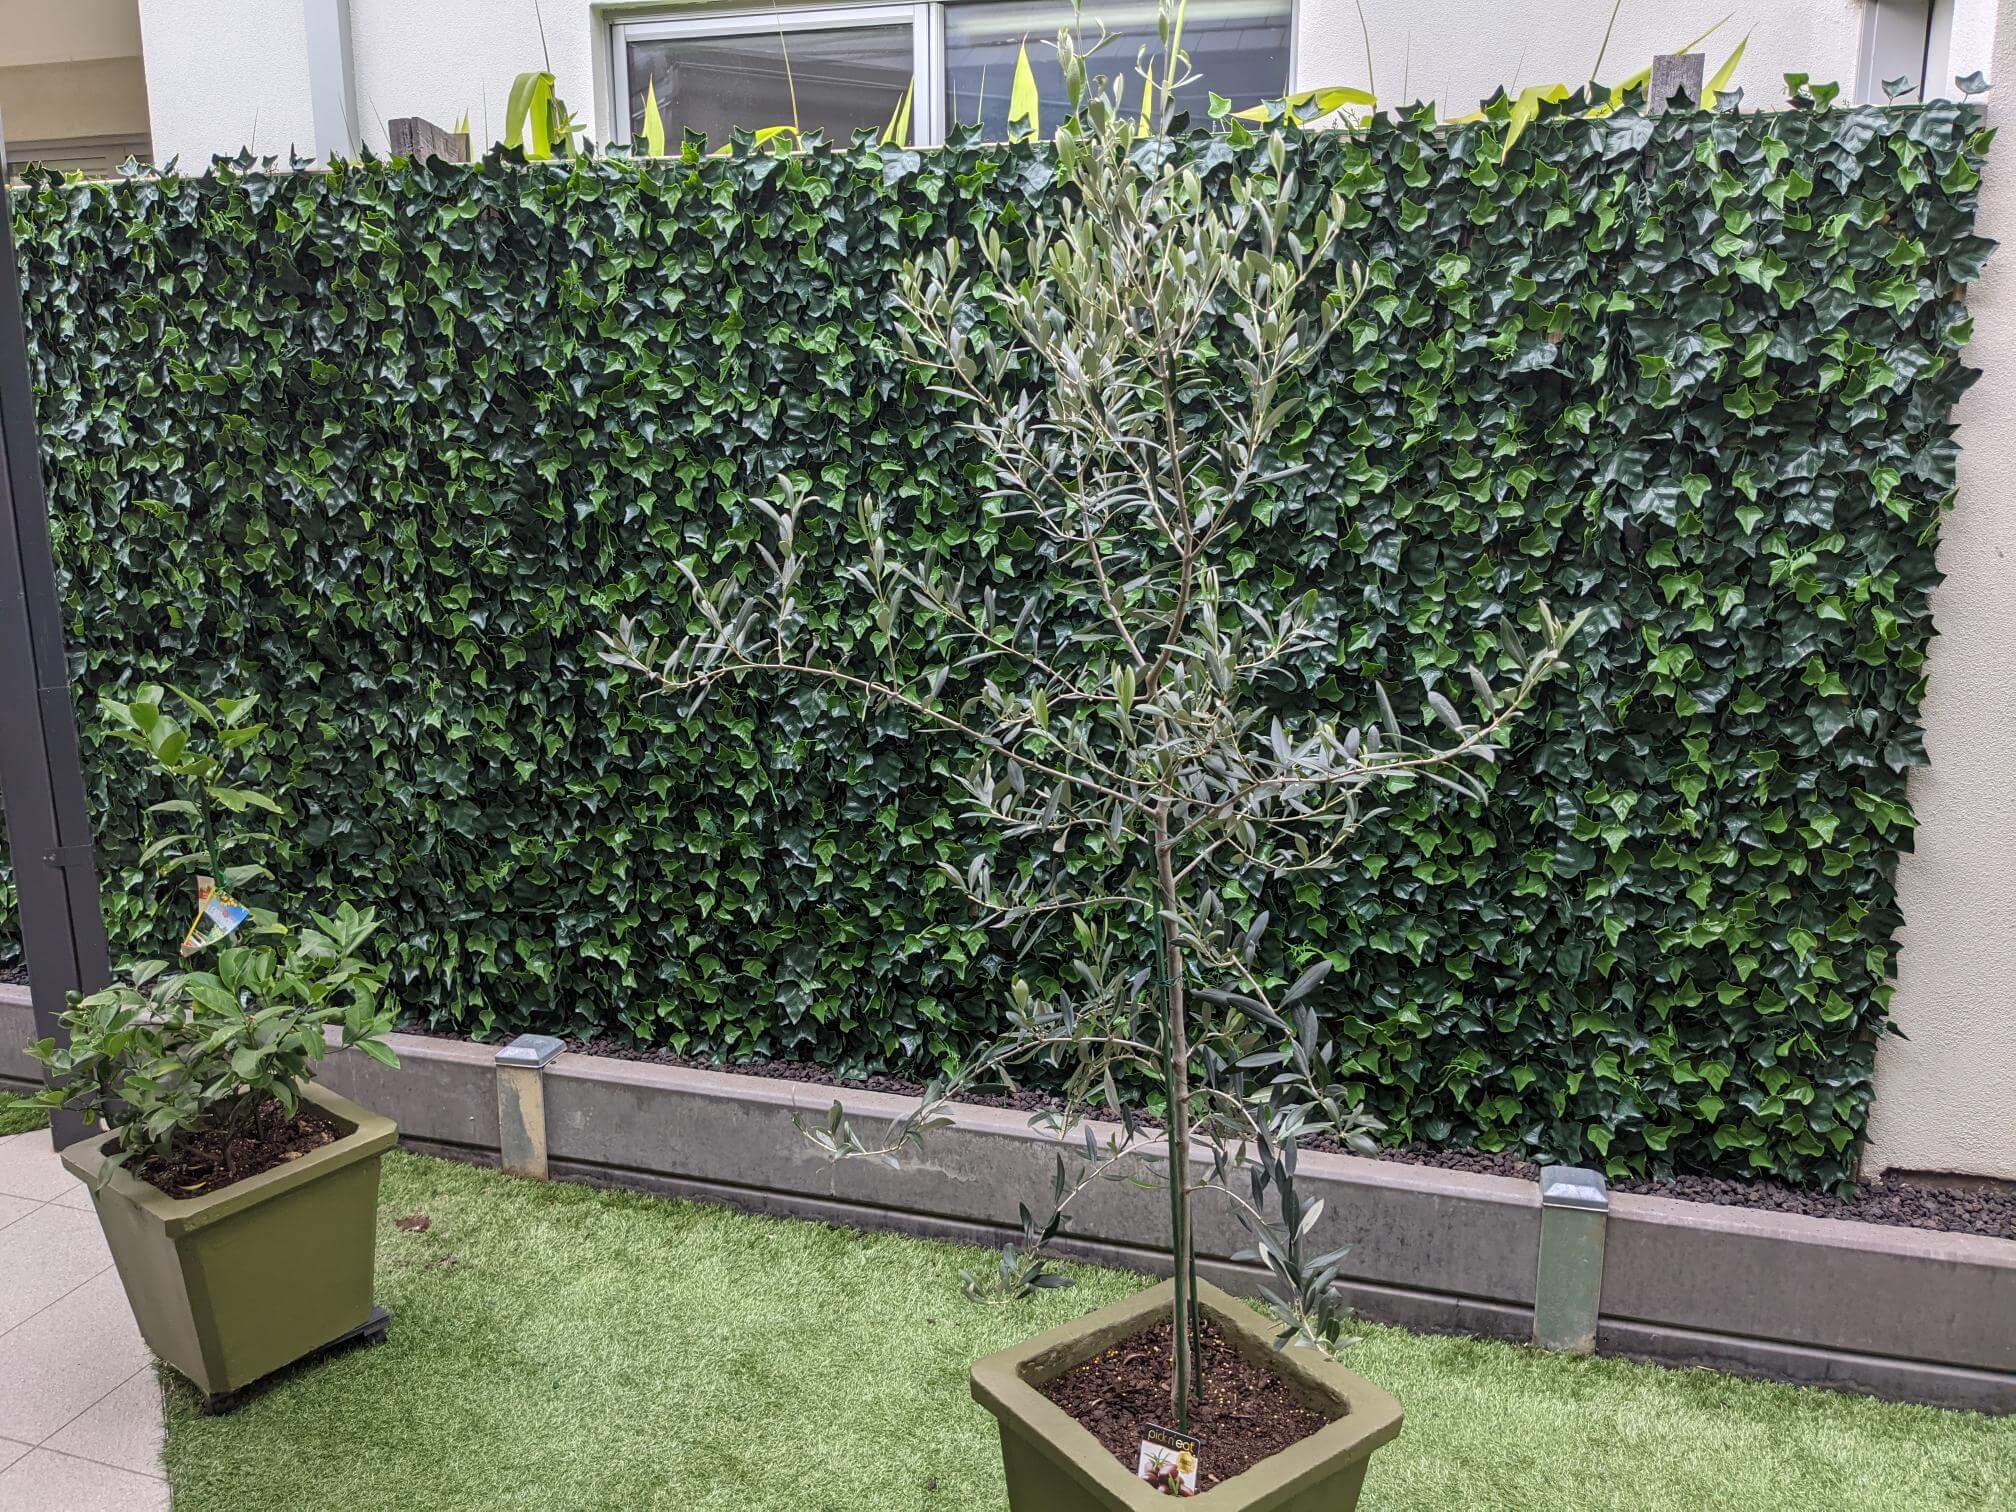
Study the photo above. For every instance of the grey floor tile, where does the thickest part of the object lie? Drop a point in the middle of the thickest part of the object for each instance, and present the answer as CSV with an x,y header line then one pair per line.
x,y
29,1167
15,1207
67,1357
11,1451
122,1430
43,1481
45,1254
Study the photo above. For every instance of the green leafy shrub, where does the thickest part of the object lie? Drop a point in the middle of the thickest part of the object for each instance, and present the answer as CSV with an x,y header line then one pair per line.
x,y
196,756
390,443
166,1056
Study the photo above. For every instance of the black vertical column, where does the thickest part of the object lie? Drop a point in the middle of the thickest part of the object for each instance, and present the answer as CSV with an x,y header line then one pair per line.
x,y
41,771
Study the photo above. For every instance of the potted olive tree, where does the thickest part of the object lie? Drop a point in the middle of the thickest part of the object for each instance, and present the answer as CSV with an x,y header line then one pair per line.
x,y
239,1199
1126,373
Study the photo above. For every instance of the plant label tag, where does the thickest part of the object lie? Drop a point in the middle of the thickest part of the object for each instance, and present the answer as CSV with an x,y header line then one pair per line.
x,y
1169,1460
217,914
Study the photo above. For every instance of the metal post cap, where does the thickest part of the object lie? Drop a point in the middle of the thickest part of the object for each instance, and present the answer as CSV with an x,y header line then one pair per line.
x,y
1574,1187
534,1050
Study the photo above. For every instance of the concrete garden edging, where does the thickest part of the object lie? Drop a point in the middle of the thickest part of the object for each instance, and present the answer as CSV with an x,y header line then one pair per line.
x,y
1904,1314
17,1032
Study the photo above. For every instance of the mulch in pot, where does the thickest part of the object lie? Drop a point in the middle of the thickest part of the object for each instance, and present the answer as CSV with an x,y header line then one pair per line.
x,y
264,1138
1243,1413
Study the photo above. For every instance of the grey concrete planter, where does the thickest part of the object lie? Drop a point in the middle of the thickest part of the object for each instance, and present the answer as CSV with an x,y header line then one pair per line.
x,y
1054,1465
1905,1314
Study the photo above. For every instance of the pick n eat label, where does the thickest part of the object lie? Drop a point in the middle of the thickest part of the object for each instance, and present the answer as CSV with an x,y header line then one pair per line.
x,y
1169,1460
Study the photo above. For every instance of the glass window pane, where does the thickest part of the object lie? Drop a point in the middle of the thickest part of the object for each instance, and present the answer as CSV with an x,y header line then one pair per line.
x,y
1238,48
833,79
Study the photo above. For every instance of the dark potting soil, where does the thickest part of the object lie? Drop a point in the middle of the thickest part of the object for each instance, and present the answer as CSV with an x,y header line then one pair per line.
x,y
15,975
1244,1414
1900,1204
219,1157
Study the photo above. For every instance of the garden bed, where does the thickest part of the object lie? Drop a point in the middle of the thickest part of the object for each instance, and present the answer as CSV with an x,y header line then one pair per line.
x,y
1975,1209
554,1345
1986,1209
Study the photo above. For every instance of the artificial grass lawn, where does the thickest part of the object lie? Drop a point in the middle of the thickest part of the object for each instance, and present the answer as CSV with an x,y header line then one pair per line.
x,y
554,1346
18,1115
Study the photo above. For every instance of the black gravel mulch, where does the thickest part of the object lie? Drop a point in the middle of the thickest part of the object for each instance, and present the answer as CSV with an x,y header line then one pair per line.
x,y
1901,1204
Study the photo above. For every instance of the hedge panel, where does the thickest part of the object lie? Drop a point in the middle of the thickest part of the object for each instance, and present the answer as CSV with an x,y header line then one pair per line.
x,y
391,443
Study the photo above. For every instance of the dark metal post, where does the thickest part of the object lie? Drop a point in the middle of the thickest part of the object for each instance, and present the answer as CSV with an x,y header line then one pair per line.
x,y
41,770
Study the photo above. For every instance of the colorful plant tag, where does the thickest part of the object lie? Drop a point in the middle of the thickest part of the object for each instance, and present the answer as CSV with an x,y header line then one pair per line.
x,y
1169,1460
217,914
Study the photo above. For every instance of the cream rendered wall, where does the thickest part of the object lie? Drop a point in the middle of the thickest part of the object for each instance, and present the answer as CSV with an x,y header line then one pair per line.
x,y
1946,1097
1456,52
40,31
71,71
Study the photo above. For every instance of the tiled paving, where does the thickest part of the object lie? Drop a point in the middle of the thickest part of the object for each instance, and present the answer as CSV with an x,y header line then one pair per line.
x,y
80,1408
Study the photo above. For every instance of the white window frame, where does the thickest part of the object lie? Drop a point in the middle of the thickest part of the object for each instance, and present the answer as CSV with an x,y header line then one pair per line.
x,y
925,18
1912,38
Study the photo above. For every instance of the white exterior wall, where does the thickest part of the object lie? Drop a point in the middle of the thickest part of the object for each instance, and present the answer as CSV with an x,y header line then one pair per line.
x,y
1972,43
442,59
1946,1097
1457,52
225,74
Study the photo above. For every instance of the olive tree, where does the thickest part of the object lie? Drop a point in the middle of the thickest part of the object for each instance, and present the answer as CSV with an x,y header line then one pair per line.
x,y
1126,373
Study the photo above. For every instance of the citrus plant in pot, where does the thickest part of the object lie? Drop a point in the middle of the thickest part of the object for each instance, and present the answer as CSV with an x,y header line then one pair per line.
x,y
1138,740
238,1197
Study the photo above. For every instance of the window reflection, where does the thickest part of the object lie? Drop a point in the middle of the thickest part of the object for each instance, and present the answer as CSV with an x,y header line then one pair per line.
x,y
835,79
1237,48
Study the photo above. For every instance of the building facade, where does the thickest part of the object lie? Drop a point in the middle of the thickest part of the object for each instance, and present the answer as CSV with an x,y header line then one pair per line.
x,y
227,74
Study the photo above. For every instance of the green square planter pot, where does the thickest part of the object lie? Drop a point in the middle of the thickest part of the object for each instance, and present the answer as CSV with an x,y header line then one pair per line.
x,y
233,1284
1054,1465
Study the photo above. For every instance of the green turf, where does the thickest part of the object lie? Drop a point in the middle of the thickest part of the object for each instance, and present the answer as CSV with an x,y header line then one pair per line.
x,y
18,1115
557,1347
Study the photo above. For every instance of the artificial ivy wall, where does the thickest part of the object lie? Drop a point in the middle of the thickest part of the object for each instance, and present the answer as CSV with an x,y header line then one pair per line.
x,y
391,444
